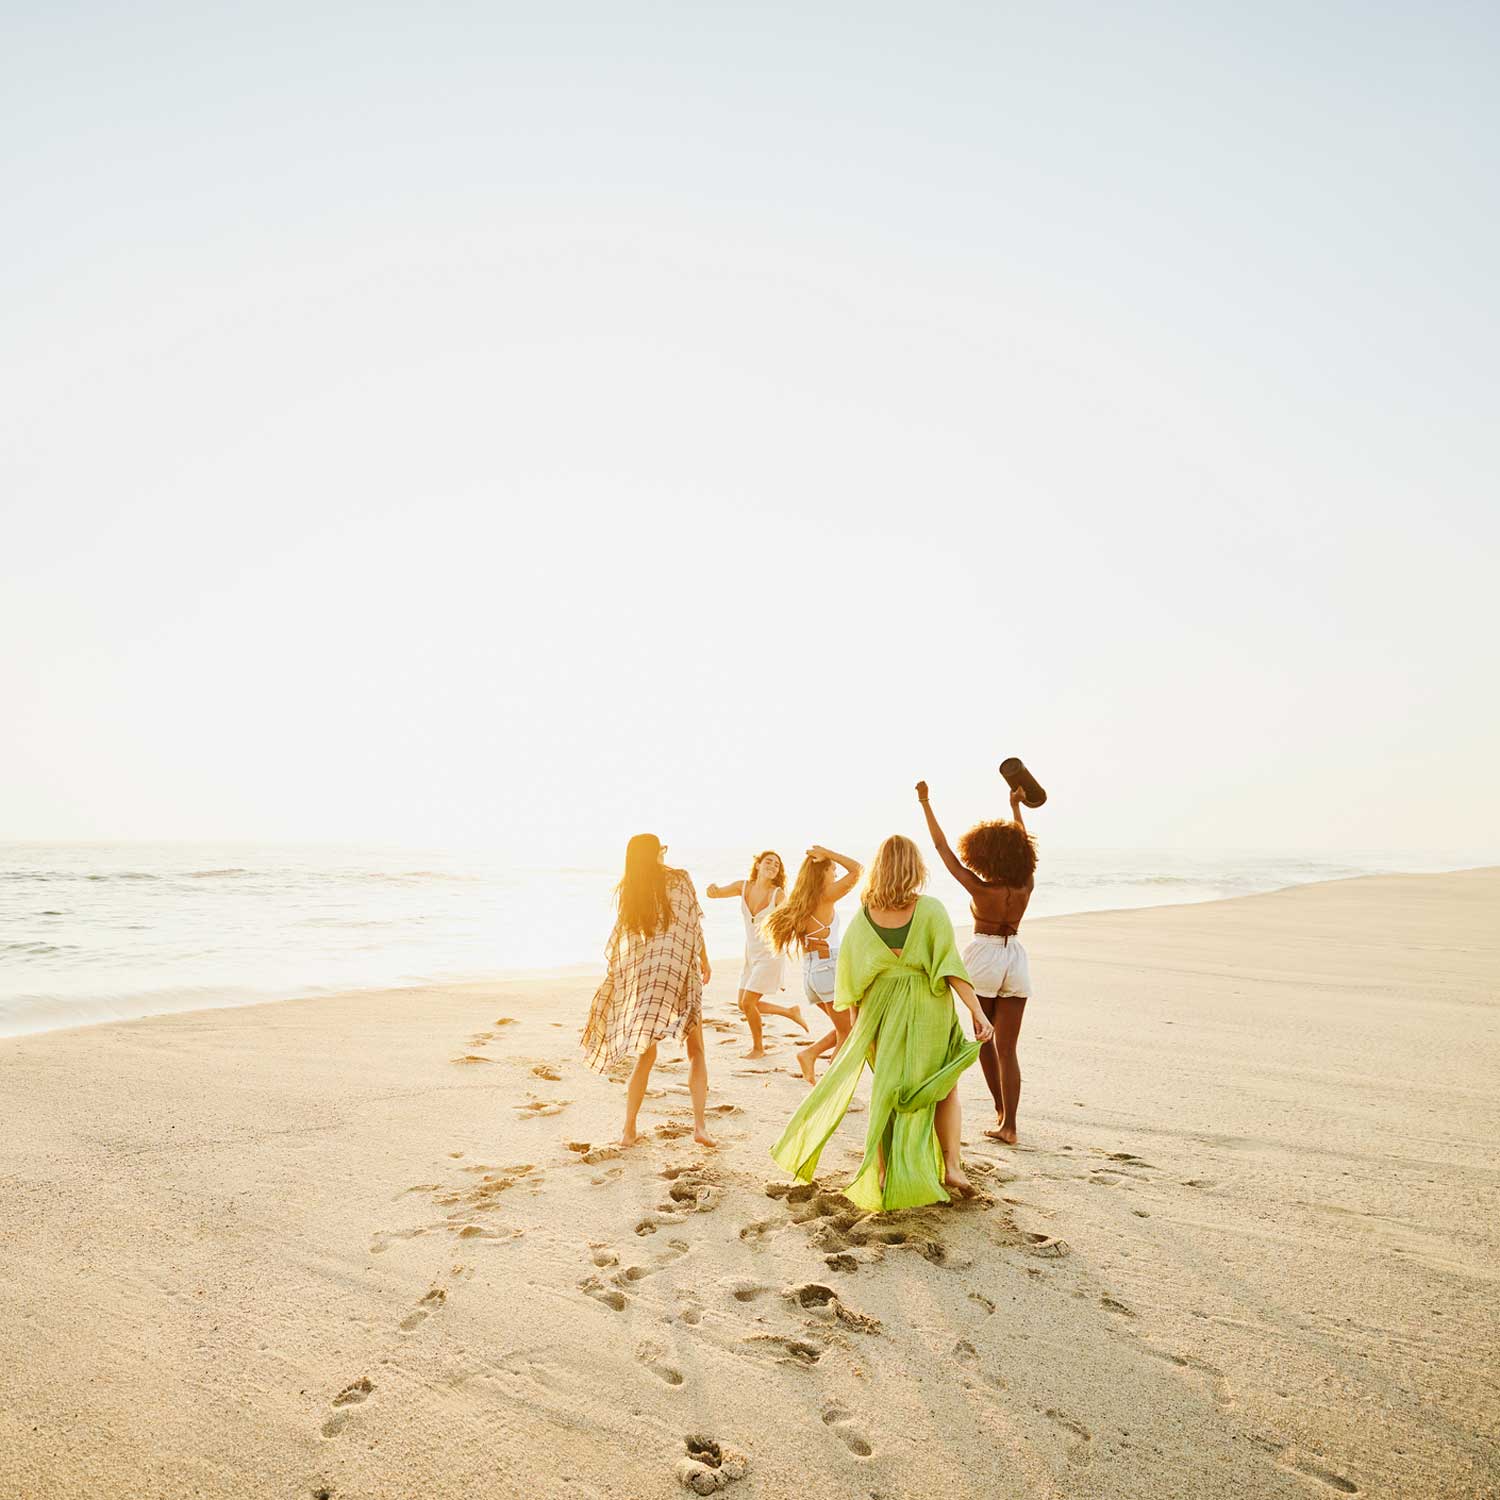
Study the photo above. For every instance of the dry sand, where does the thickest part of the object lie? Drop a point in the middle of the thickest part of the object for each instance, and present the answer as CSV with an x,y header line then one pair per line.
x,y
378,1245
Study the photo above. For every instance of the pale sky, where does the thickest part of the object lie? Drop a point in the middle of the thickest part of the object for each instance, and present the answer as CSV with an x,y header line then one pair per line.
x,y
529,425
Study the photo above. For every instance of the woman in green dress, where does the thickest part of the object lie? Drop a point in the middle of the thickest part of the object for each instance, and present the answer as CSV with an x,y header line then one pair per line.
x,y
899,968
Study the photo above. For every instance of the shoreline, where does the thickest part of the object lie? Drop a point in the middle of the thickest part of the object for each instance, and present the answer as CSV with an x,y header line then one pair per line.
x,y
381,1243
563,973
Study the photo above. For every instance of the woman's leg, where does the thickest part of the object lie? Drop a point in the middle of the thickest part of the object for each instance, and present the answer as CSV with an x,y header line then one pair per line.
x,y
698,1083
829,1043
1008,1013
750,1008
989,1057
949,1124
635,1091
789,1012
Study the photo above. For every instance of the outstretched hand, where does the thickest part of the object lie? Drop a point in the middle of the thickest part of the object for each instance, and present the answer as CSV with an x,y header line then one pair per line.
x,y
921,791
1016,798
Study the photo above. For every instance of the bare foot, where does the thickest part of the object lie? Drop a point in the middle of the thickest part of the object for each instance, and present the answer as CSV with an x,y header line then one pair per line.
x,y
805,1061
630,1137
754,1052
955,1181
703,1138
1006,1133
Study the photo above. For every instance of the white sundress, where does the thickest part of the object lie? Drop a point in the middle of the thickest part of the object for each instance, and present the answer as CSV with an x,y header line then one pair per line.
x,y
762,973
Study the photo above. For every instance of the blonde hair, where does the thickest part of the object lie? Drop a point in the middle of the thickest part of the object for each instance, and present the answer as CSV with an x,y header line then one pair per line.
x,y
783,924
896,876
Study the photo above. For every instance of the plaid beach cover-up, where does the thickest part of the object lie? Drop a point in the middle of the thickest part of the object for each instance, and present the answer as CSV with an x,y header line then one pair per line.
x,y
654,989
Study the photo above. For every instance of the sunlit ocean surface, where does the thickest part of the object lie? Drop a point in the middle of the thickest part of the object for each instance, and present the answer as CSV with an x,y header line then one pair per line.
x,y
92,933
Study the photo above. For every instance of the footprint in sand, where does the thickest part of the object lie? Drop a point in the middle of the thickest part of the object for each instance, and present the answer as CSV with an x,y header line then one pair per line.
x,y
1079,1452
612,1175
424,1309
653,1356
351,1395
823,1301
709,1465
803,1353
1218,1384
547,1071
693,1194
983,1301
840,1420
384,1238
473,1057
504,1021
481,1037
1110,1304
746,1291
611,1297
1046,1244
842,1261
540,1107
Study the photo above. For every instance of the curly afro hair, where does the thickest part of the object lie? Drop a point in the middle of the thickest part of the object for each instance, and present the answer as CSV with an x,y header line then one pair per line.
x,y
1000,853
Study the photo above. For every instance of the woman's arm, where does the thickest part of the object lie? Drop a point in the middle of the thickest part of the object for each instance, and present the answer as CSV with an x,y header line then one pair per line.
x,y
713,892
845,883
964,991
961,873
1015,809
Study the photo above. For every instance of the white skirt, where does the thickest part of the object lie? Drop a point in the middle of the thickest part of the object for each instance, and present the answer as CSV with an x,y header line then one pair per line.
x,y
762,973
998,966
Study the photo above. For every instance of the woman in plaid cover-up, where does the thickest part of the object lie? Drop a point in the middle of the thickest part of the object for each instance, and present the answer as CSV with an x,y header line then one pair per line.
x,y
658,965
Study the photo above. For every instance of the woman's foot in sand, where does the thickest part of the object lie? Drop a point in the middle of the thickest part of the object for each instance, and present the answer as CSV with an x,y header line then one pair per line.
x,y
703,1138
630,1137
798,1018
754,1052
955,1181
805,1060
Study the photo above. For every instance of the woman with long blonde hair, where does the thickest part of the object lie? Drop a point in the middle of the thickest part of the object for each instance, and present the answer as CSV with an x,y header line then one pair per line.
x,y
808,922
653,992
899,968
762,891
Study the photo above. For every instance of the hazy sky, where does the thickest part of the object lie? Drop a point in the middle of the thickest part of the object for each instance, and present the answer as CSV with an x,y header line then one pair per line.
x,y
533,424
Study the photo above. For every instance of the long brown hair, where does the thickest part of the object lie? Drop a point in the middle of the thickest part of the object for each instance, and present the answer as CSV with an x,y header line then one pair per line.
x,y
783,925
641,896
780,881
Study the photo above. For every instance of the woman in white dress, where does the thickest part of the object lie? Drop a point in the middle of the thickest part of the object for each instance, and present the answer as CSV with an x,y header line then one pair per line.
x,y
762,892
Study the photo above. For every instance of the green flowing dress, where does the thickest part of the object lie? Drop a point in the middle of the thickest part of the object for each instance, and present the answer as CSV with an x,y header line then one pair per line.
x,y
910,1034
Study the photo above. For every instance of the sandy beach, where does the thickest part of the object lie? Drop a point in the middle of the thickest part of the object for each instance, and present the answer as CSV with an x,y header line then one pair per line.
x,y
379,1245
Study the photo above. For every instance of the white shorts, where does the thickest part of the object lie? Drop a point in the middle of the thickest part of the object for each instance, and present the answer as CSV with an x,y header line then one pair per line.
x,y
998,966
819,977
762,973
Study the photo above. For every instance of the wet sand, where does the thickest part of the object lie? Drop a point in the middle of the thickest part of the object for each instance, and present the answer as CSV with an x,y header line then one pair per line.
x,y
379,1245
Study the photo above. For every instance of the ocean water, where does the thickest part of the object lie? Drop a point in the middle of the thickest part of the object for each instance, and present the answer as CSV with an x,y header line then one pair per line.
x,y
92,933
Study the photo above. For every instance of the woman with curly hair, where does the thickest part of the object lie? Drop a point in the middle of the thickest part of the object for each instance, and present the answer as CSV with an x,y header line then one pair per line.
x,y
899,971
762,891
996,865
653,992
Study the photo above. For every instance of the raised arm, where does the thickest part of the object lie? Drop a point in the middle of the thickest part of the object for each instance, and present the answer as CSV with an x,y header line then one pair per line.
x,y
846,883
961,873
1015,809
715,892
